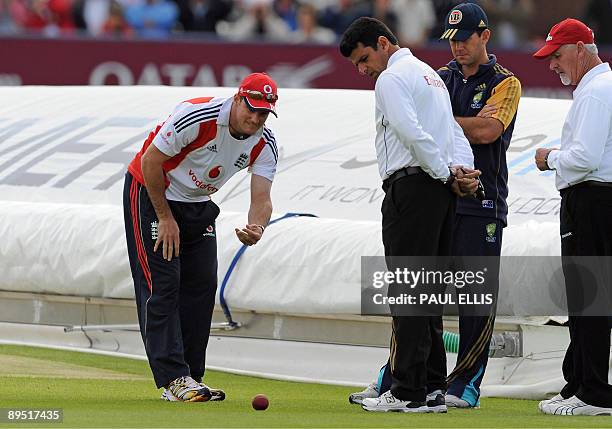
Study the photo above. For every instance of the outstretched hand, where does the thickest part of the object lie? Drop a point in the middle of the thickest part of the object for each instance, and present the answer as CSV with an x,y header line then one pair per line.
x,y
250,234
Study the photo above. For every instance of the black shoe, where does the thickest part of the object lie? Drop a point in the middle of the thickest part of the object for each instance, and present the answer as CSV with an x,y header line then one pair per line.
x,y
436,402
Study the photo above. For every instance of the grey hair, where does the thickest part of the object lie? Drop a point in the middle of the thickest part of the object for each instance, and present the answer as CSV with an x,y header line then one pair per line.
x,y
590,47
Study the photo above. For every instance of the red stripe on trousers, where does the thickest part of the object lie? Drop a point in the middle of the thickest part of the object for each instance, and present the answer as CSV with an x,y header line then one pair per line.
x,y
142,254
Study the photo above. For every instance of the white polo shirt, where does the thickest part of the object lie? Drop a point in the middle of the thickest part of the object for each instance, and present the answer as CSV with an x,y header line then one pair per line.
x,y
415,125
586,138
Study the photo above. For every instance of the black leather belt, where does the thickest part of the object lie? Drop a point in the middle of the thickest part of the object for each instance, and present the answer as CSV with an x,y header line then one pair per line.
x,y
398,174
588,184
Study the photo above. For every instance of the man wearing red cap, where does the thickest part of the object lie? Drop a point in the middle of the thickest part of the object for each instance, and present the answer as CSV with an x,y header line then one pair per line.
x,y
170,223
583,166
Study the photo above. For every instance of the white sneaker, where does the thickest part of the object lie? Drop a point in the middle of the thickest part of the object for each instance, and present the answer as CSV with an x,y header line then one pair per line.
x,y
186,389
456,402
574,407
436,402
369,392
388,402
555,398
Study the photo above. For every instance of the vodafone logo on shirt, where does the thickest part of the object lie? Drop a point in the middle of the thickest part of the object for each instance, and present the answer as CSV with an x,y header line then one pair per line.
x,y
210,231
207,186
216,172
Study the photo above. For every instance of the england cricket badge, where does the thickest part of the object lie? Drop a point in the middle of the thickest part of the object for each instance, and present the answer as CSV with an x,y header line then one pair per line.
x,y
154,230
242,161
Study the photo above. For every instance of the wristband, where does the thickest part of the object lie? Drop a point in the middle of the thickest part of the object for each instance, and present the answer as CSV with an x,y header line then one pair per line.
x,y
263,228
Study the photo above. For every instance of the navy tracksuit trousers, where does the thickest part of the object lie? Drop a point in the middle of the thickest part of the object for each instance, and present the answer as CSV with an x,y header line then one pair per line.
x,y
175,299
474,236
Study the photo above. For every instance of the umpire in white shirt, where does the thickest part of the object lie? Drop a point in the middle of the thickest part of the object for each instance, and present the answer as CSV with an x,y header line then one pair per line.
x,y
418,144
583,168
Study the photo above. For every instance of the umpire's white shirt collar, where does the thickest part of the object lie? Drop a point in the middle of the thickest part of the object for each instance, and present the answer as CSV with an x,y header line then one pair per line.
x,y
401,52
589,76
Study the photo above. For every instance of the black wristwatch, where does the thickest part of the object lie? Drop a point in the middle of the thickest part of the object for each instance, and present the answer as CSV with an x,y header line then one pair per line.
x,y
546,160
450,179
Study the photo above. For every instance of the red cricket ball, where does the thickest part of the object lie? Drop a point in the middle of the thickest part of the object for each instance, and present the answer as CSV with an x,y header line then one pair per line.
x,y
260,402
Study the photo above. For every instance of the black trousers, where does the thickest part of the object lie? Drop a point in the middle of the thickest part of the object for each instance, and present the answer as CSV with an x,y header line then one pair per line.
x,y
586,230
417,220
175,299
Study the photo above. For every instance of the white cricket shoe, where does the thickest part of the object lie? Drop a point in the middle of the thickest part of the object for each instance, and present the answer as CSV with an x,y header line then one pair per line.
x,y
186,389
388,402
369,392
456,402
168,396
574,407
215,394
555,398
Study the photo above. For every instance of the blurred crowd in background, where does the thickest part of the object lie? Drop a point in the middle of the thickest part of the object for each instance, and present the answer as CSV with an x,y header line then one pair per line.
x,y
516,24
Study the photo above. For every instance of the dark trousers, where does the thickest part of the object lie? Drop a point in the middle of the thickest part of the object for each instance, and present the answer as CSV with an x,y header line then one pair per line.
x,y
175,299
475,236
417,220
586,230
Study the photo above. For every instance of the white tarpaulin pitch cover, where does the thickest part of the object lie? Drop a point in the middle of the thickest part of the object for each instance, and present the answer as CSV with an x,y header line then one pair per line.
x,y
63,156
64,152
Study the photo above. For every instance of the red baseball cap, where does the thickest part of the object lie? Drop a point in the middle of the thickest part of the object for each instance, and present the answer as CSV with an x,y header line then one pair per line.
x,y
260,92
568,32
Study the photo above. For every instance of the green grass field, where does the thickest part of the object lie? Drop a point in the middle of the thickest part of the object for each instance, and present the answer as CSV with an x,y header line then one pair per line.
x,y
101,391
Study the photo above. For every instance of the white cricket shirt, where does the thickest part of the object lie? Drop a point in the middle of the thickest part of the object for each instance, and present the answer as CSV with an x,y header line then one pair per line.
x,y
586,138
204,155
414,120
